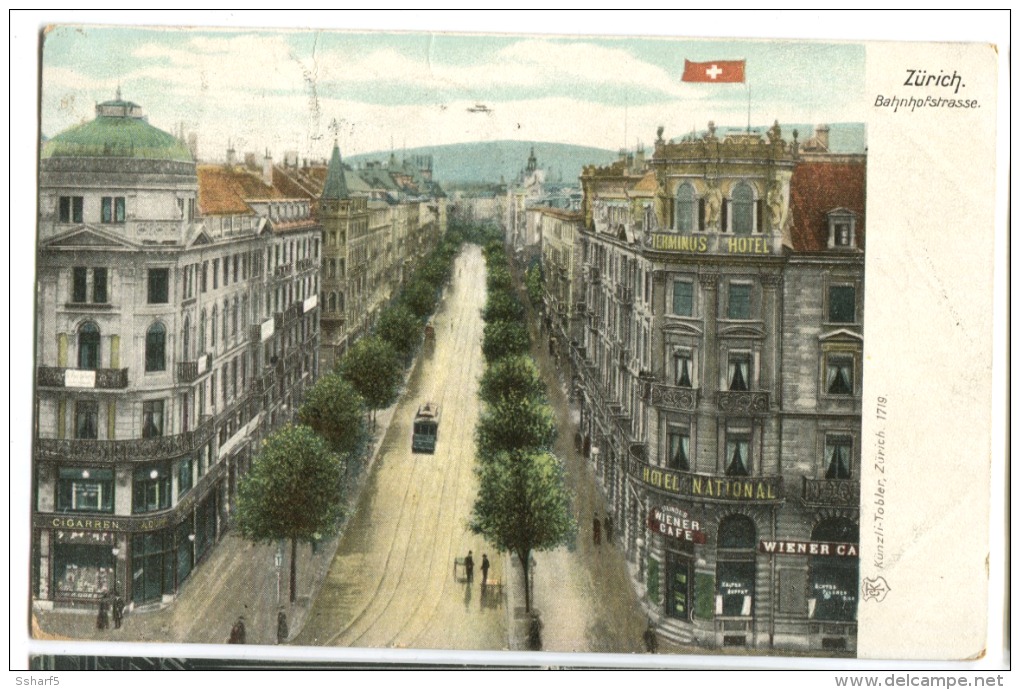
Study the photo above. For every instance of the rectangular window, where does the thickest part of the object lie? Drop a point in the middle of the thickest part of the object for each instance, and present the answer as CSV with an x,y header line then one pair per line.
x,y
205,275
739,305
738,373
839,375
683,370
226,271
99,293
683,298
85,489
237,265
215,273
837,457
185,478
86,420
113,209
736,587
72,209
159,285
738,459
679,450
842,304
152,419
79,289
152,486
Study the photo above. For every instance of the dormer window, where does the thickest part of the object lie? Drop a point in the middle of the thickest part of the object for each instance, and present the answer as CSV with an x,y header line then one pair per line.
x,y
842,229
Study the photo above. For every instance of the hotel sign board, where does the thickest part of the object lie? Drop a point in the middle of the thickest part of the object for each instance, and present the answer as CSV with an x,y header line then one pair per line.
x,y
712,243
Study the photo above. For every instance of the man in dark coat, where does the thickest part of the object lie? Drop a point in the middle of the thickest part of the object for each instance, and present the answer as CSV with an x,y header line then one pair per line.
x,y
118,609
596,530
485,569
469,567
237,633
102,617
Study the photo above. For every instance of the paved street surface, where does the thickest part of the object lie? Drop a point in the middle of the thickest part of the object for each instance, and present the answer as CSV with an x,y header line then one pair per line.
x,y
392,581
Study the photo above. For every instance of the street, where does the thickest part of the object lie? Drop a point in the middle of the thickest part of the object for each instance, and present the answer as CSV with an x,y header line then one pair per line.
x,y
392,583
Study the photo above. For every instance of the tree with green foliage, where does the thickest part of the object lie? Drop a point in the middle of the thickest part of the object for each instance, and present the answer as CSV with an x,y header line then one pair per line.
x,y
420,298
336,412
503,338
514,424
294,491
511,377
499,278
401,328
374,369
523,506
535,284
503,306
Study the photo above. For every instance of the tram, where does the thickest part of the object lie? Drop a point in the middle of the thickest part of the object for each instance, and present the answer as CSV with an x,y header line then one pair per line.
x,y
426,429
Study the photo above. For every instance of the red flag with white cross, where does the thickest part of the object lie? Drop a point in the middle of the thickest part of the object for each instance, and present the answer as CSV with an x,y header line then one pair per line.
x,y
716,72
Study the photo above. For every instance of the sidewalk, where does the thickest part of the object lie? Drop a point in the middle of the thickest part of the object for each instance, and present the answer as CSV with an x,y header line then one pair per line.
x,y
237,578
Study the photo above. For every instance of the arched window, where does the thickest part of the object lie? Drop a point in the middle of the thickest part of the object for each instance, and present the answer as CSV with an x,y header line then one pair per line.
x,y
743,209
685,207
186,339
735,566
833,595
155,348
88,346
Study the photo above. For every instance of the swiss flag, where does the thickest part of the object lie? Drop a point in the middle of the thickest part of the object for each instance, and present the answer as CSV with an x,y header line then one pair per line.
x,y
718,72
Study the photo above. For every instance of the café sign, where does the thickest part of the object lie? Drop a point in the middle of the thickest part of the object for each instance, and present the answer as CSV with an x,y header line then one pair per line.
x,y
674,522
787,547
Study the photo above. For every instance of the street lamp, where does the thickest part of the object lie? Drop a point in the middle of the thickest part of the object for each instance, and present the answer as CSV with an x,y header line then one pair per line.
x,y
116,552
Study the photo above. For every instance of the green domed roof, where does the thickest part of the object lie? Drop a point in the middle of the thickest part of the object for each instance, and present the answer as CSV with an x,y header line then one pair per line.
x,y
119,130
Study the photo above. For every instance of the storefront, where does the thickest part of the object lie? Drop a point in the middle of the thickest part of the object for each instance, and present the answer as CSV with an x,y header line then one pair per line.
x,y
83,565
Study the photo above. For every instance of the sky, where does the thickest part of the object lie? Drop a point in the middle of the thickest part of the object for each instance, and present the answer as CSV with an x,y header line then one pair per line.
x,y
297,89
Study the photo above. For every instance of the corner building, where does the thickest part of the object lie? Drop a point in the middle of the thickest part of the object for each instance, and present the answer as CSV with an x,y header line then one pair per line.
x,y
720,379
177,325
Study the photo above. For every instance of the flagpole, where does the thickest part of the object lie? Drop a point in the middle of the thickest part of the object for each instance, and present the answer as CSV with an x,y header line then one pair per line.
x,y
747,83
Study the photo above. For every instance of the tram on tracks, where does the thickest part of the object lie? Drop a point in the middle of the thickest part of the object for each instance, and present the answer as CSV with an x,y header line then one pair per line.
x,y
426,429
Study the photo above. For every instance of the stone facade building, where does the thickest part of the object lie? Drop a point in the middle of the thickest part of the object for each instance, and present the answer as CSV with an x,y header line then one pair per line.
x,y
177,324
720,379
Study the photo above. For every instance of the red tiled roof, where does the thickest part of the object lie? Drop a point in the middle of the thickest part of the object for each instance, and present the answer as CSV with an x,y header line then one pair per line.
x,y
223,190
818,187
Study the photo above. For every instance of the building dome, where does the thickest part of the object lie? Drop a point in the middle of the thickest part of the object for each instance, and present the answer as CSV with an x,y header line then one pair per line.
x,y
119,130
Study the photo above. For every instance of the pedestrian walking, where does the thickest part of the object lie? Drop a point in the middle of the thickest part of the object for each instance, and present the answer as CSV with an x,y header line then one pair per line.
x,y
485,569
237,633
608,524
596,530
469,567
117,609
651,639
282,629
103,616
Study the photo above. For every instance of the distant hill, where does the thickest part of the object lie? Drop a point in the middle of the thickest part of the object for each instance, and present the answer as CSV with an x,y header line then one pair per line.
x,y
489,161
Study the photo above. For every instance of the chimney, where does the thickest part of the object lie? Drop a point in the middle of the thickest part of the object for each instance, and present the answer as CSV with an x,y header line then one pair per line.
x,y
267,170
822,136
231,156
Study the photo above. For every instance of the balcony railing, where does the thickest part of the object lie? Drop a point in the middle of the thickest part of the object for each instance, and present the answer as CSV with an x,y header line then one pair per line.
x,y
133,450
64,377
283,270
624,294
187,372
831,492
743,402
671,397
305,264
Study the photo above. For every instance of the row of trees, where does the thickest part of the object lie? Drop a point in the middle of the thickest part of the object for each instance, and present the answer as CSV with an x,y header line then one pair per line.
x,y
523,504
295,489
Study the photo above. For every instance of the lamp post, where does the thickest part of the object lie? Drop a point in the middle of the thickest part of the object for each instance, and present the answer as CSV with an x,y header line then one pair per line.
x,y
191,541
116,552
